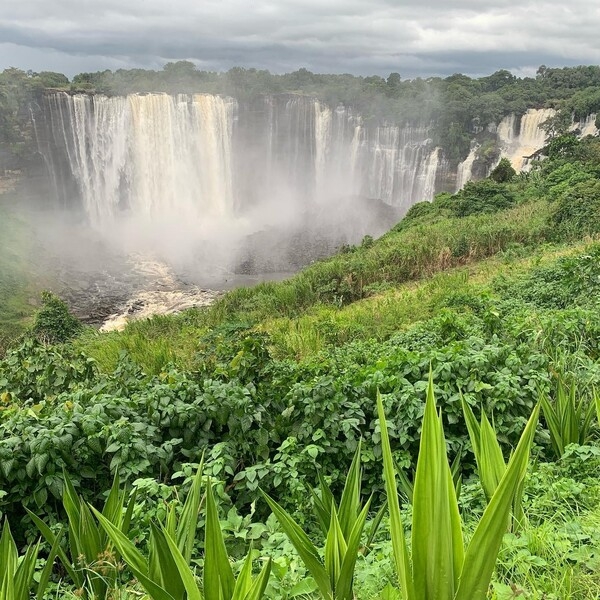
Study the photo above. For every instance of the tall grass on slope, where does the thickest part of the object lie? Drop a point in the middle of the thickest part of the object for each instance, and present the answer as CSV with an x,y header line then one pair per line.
x,y
396,257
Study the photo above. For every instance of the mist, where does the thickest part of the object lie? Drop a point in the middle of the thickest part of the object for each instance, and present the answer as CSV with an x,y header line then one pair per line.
x,y
171,191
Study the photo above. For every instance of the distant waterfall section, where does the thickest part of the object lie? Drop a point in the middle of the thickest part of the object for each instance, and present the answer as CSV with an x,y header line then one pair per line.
x,y
209,157
150,155
519,142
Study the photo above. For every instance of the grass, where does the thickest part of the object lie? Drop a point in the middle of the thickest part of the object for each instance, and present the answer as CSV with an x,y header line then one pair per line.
x,y
395,309
152,343
397,257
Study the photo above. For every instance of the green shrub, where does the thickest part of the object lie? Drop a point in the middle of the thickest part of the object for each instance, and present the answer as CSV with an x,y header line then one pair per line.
x,y
578,210
503,172
485,196
54,323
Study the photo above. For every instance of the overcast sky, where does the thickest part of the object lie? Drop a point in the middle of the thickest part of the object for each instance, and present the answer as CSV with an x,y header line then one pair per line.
x,y
363,37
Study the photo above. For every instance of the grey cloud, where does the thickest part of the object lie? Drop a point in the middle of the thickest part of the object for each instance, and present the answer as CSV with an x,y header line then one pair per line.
x,y
360,36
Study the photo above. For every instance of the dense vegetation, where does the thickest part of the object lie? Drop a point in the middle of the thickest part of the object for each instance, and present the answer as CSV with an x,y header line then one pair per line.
x,y
493,290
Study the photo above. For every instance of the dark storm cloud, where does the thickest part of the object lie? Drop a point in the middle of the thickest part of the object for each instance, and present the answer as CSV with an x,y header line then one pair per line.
x,y
362,37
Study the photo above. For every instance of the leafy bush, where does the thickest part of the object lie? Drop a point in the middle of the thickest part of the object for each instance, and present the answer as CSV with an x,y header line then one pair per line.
x,y
54,323
567,282
503,172
578,210
255,415
485,196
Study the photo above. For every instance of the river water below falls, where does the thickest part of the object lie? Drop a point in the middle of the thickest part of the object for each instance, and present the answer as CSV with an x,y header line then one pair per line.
x,y
162,293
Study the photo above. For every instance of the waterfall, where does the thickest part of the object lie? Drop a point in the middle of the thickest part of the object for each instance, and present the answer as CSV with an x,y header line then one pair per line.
x,y
518,145
323,122
429,174
586,126
464,170
201,157
152,155
402,165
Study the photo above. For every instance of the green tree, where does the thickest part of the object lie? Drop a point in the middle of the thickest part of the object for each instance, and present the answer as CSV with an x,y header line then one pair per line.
x,y
54,323
503,172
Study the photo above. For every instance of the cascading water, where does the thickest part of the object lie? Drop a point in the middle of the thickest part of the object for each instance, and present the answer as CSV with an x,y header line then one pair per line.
x,y
464,170
155,155
152,156
586,126
519,144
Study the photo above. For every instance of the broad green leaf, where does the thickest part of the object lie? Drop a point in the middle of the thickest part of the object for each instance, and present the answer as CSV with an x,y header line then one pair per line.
x,y
23,576
482,552
219,582
322,504
433,519
345,580
189,581
552,420
131,555
375,523
257,590
490,463
75,575
48,567
403,568
134,559
335,549
188,522
163,568
113,508
472,426
244,580
8,559
350,502
305,548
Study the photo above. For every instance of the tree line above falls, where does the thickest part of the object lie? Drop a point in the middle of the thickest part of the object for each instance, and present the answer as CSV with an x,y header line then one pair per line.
x,y
459,106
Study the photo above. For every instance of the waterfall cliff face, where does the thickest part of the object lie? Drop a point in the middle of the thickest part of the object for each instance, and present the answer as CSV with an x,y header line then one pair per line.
x,y
201,158
464,171
520,138
587,126
149,155
199,155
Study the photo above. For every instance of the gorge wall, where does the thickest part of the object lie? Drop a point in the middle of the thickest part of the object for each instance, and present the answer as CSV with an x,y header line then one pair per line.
x,y
208,155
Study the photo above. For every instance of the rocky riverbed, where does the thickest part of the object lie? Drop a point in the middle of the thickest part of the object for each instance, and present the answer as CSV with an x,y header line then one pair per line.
x,y
164,293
